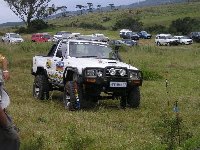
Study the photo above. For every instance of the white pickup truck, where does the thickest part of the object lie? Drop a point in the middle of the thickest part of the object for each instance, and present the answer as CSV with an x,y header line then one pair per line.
x,y
86,72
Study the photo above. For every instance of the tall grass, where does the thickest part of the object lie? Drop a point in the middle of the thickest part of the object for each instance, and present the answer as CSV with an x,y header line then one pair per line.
x,y
47,125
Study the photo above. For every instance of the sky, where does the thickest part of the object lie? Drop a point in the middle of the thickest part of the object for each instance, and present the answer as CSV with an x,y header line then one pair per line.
x,y
6,15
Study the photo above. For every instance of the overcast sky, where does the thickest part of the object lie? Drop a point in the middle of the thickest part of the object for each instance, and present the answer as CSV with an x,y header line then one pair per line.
x,y
6,15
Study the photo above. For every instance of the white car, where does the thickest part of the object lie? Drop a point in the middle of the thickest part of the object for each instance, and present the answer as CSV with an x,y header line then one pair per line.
x,y
184,40
101,37
165,39
123,31
94,37
12,38
59,35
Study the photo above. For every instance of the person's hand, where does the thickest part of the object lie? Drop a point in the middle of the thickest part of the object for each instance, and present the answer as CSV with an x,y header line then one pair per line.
x,y
6,75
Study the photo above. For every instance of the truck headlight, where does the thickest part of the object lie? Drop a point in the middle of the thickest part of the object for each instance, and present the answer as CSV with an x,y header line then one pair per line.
x,y
112,71
122,72
91,72
135,75
99,73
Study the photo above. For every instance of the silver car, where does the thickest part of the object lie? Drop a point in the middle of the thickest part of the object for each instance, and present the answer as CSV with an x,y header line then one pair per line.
x,y
12,38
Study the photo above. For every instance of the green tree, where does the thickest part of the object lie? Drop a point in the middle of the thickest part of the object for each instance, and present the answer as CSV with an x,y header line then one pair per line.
x,y
99,8
90,7
112,6
80,7
27,10
184,26
128,23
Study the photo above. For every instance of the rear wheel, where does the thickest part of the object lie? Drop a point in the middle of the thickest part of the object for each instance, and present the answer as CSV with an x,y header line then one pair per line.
x,y
134,97
41,87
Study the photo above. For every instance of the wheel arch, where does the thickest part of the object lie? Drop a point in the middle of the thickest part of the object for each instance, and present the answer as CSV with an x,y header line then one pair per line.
x,y
68,74
41,70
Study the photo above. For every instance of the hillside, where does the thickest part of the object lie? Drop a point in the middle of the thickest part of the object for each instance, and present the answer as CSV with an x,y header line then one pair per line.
x,y
161,15
143,3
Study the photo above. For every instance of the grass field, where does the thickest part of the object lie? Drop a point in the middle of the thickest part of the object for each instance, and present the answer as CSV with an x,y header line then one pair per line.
x,y
46,125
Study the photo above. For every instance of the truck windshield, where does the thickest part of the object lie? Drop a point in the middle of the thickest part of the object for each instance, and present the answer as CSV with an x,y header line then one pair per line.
x,y
88,49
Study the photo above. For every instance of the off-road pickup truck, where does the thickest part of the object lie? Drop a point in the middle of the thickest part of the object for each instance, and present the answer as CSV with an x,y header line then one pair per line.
x,y
86,72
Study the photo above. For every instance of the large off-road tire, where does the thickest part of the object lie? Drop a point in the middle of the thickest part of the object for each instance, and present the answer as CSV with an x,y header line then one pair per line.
x,y
123,102
133,99
73,91
158,44
41,87
70,95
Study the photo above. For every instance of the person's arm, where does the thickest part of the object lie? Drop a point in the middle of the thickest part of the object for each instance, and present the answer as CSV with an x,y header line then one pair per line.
x,y
6,74
3,118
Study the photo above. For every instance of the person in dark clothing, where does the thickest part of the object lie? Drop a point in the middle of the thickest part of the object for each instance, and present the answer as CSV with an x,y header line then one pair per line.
x,y
9,139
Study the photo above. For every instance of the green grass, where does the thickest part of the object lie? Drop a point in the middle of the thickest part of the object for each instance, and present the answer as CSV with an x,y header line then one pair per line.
x,y
47,125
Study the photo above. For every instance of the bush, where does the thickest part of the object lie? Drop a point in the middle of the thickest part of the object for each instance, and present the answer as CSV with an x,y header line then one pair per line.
x,y
151,75
91,26
184,26
37,24
172,131
157,29
21,30
34,26
1,33
128,23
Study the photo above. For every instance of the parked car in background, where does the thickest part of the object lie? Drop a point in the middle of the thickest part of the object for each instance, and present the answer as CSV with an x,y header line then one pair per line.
x,y
129,42
184,40
12,38
165,39
123,31
128,34
115,42
195,36
101,37
93,37
41,37
144,35
59,35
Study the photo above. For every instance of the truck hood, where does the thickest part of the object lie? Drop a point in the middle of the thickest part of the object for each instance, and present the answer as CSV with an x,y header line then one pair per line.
x,y
82,63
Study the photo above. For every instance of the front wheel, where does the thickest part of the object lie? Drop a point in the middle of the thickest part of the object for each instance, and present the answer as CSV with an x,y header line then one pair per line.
x,y
158,43
134,97
69,96
41,87
74,97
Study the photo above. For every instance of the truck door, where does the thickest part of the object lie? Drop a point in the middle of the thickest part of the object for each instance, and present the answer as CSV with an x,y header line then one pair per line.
x,y
56,71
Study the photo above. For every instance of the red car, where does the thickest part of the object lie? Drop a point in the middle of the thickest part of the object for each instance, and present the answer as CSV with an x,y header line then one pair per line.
x,y
41,37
